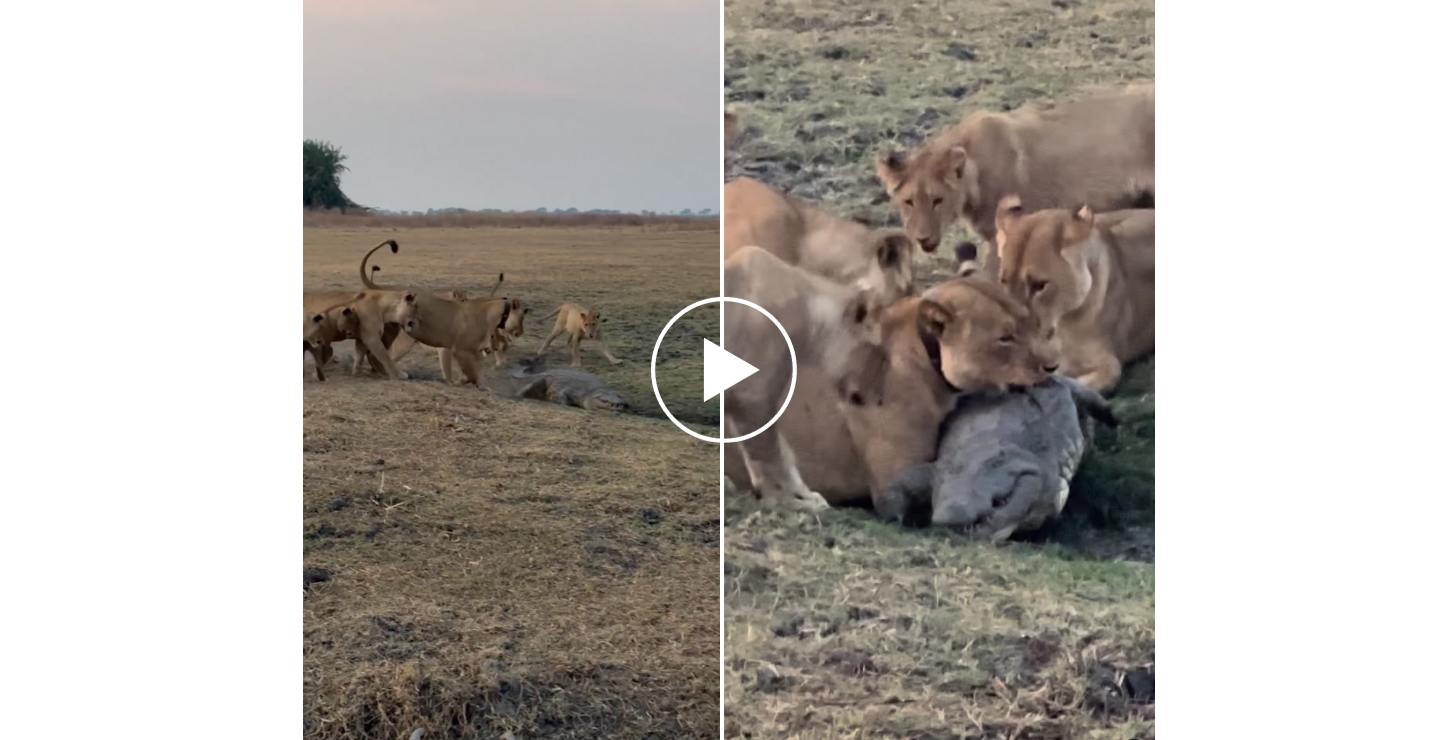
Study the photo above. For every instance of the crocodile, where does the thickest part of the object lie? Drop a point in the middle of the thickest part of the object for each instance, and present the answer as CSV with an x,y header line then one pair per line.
x,y
566,387
1005,460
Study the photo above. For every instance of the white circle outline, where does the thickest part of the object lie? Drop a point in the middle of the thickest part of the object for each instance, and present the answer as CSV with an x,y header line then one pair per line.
x,y
655,355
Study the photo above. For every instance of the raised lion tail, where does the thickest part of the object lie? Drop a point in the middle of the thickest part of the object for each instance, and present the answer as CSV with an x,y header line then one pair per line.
x,y
364,274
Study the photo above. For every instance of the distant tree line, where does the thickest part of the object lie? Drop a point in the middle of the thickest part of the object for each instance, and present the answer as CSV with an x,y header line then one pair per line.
x,y
324,164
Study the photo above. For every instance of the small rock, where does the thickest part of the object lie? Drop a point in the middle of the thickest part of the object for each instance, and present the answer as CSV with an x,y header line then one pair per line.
x,y
340,503
1139,686
374,530
957,92
768,679
378,461
957,51
651,516
789,626
315,575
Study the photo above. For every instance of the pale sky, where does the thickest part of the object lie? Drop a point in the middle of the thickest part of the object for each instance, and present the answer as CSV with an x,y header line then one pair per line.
x,y
519,104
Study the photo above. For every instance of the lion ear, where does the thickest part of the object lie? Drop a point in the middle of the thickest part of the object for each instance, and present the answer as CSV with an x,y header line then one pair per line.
x,y
1084,214
348,311
932,317
968,268
892,248
409,297
958,158
890,168
319,317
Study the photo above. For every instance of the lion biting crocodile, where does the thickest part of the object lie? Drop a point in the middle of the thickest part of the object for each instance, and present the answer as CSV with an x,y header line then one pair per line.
x,y
567,387
1005,460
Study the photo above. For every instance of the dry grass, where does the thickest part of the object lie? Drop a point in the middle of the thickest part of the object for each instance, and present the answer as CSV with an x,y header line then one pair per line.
x,y
496,564
355,219
847,628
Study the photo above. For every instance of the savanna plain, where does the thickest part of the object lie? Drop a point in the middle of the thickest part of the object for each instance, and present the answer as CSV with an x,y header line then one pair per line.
x,y
476,563
837,625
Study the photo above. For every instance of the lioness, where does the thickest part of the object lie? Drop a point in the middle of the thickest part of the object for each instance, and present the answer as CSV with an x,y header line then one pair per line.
x,y
832,327
334,324
1091,277
958,337
578,324
399,343
805,236
1099,150
373,309
504,335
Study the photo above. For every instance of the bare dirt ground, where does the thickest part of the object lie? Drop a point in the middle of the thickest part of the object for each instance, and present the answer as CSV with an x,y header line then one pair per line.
x,y
838,626
476,563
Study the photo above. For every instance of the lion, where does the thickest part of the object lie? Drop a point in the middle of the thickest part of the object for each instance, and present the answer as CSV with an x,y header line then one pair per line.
x,y
335,324
578,324
1090,278
963,336
399,343
804,236
373,310
1098,150
833,327
504,335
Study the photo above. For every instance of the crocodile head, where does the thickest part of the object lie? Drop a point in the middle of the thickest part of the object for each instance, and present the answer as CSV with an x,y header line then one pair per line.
x,y
999,492
607,400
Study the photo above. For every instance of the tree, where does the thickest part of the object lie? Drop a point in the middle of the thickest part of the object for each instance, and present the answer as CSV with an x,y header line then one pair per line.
x,y
324,164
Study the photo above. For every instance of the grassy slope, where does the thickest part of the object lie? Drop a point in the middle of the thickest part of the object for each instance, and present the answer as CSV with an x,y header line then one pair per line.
x,y
845,626
497,564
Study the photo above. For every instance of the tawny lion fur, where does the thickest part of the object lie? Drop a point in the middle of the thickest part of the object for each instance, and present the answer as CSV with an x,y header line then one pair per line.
x,y
334,324
961,336
375,307
802,235
1098,150
833,327
578,324
1090,278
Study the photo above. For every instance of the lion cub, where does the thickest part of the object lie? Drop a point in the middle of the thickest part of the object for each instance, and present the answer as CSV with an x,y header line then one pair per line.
x,y
578,324
1091,280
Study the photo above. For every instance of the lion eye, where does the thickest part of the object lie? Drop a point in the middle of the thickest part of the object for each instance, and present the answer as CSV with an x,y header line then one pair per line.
x,y
1007,339
1038,285
936,202
909,201
1050,334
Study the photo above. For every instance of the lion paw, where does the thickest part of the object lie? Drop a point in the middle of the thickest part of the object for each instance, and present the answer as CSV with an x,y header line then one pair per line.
x,y
798,499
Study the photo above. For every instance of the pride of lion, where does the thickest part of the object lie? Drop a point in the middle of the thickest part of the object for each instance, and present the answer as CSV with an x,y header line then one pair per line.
x,y
1062,198
386,323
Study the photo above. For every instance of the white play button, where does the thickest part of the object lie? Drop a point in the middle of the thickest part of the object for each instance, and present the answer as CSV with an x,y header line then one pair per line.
x,y
723,370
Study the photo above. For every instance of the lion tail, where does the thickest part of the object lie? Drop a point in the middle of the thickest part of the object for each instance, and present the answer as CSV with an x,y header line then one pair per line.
x,y
550,315
497,285
364,275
